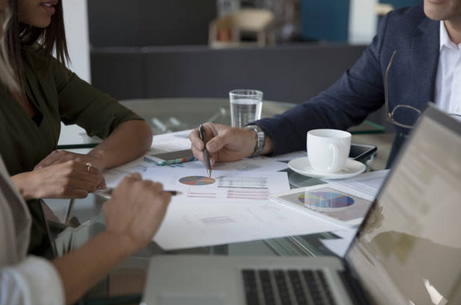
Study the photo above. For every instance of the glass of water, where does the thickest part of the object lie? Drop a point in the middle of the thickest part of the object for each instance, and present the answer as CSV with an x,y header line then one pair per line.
x,y
245,106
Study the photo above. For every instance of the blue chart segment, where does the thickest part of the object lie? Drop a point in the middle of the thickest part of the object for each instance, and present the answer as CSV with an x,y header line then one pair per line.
x,y
325,200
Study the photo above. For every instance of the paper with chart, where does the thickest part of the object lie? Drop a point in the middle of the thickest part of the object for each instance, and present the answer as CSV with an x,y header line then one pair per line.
x,y
230,206
141,165
221,187
344,202
206,223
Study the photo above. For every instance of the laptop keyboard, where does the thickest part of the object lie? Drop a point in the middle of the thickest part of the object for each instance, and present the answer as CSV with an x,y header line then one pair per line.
x,y
286,287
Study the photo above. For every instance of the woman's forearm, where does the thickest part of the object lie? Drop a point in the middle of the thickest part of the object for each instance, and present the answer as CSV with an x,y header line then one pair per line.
x,y
27,185
128,141
83,268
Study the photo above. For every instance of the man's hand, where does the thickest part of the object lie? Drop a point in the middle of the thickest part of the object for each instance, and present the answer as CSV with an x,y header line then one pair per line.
x,y
224,143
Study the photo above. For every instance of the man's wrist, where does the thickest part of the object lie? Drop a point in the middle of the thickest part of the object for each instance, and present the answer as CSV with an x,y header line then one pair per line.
x,y
260,137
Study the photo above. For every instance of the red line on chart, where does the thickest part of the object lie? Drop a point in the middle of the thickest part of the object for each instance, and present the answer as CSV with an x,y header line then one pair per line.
x,y
252,198
248,191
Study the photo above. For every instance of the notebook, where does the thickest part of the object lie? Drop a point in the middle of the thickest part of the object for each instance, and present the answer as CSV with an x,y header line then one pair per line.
x,y
407,250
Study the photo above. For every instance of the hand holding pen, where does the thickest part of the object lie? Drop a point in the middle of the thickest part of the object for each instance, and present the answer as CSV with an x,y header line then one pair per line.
x,y
205,151
107,193
223,143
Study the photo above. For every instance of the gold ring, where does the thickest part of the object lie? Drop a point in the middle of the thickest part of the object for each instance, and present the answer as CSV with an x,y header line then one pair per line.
x,y
88,166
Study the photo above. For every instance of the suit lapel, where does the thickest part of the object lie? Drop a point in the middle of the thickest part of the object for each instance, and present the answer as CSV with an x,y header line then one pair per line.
x,y
425,53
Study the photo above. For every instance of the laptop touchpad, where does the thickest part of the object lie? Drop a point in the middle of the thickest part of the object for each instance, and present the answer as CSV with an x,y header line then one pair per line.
x,y
190,300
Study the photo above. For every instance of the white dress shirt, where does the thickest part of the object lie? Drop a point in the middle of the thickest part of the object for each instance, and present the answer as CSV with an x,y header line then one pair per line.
x,y
448,82
23,280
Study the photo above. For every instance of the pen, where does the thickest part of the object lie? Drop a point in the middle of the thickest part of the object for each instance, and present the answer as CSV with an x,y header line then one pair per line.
x,y
205,151
108,192
68,210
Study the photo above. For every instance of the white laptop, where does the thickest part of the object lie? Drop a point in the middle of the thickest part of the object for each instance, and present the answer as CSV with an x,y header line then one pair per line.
x,y
407,251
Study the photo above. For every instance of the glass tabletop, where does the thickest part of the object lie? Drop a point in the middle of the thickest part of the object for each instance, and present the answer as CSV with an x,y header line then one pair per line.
x,y
124,285
175,114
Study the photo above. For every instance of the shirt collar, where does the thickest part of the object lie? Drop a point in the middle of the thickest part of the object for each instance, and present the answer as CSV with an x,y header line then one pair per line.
x,y
445,39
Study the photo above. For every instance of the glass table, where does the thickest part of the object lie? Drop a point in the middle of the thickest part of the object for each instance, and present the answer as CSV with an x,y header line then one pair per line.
x,y
174,114
124,285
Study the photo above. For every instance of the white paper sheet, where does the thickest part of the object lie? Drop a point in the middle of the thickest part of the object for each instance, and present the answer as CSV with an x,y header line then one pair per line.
x,y
222,187
339,246
366,185
258,164
290,156
171,142
234,208
207,224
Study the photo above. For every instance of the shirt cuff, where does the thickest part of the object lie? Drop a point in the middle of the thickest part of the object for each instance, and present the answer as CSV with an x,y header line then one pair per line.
x,y
38,281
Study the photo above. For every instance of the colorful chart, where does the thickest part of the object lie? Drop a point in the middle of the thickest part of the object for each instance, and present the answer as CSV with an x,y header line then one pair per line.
x,y
325,200
197,180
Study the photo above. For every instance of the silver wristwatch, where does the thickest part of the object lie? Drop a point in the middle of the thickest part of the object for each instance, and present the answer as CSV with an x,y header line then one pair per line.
x,y
260,139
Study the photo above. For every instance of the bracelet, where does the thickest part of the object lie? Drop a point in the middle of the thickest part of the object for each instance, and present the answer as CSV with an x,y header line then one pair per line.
x,y
260,139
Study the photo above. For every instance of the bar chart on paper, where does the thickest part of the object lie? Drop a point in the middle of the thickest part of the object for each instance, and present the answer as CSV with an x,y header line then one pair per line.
x,y
242,182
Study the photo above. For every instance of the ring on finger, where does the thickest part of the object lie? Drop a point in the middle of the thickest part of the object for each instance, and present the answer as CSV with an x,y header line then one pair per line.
x,y
88,166
135,176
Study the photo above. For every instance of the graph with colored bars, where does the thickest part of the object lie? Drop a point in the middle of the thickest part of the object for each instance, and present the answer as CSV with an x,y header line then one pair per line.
x,y
248,194
242,182
193,193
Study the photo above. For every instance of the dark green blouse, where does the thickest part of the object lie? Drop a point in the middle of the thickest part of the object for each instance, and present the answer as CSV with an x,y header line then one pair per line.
x,y
58,95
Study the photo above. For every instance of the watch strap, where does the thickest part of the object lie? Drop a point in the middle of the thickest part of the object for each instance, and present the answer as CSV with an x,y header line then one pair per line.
x,y
260,139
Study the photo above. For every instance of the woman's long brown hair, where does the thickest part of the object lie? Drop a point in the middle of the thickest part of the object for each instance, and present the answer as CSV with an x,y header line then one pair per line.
x,y
19,36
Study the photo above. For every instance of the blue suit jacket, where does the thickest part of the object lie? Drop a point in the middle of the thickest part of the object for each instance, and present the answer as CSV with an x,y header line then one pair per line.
x,y
360,90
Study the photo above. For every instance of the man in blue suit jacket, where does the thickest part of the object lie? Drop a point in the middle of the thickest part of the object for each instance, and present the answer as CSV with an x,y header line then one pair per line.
x,y
414,33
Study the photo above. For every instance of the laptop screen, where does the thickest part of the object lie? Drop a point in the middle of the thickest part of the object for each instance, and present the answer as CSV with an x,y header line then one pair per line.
x,y
408,251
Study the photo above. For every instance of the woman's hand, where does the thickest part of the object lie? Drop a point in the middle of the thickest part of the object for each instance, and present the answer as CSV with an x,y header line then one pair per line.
x,y
60,156
135,211
70,179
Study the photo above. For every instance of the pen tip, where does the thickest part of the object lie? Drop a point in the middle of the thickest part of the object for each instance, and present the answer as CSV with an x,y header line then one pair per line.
x,y
209,172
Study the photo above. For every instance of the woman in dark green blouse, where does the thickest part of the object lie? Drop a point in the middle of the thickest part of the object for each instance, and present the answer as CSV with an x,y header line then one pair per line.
x,y
49,93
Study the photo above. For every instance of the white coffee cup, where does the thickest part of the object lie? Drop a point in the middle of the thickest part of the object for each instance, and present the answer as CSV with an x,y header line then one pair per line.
x,y
328,149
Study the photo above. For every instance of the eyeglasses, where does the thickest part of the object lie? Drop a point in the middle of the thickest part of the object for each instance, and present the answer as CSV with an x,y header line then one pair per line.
x,y
401,113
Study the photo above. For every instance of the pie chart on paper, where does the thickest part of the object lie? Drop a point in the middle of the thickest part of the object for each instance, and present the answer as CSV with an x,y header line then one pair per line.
x,y
197,180
325,200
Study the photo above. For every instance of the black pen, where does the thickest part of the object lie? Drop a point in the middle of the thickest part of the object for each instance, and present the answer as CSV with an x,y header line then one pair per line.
x,y
205,151
108,192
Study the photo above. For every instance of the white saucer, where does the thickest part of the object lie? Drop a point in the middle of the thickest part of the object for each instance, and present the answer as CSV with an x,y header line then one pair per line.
x,y
303,167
